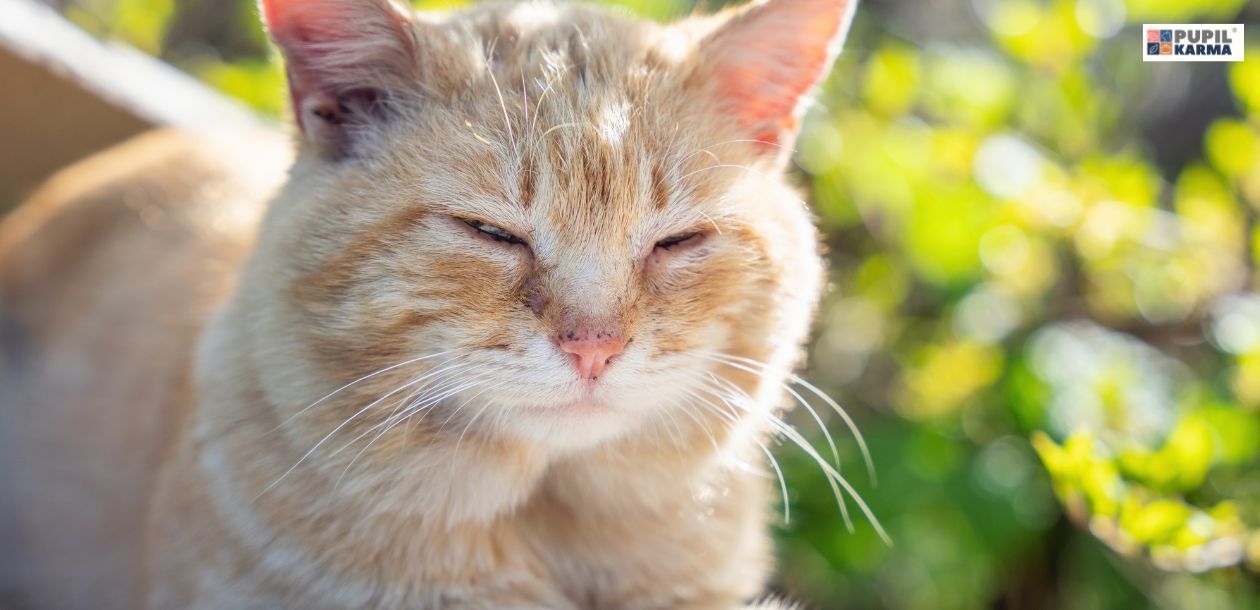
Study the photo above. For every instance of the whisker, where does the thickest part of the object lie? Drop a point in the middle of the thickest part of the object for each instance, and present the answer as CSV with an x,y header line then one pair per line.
x,y
442,379
356,381
525,98
728,416
507,122
712,222
733,400
778,472
848,421
343,424
682,404
835,406
731,417
448,389
726,165
555,127
479,413
835,455
833,475
656,438
538,104
425,404
445,389
406,414
708,149
460,407
676,433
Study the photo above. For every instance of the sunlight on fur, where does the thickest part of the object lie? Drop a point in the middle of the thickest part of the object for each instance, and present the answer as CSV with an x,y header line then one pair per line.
x,y
517,330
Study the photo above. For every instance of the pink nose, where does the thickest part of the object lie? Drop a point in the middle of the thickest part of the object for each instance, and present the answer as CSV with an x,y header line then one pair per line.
x,y
591,354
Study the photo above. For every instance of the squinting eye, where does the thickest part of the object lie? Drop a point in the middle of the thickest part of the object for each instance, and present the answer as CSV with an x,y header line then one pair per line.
x,y
494,232
682,239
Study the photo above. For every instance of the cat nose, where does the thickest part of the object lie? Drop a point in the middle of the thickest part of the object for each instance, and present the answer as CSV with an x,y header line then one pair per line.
x,y
592,350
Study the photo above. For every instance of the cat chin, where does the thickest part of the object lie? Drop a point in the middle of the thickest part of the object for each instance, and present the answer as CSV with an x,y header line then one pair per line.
x,y
569,427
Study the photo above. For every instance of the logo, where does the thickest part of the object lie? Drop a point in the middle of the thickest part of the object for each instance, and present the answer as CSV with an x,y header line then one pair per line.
x,y
1192,42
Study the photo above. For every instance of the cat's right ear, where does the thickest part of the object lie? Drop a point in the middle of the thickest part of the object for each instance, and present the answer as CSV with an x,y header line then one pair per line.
x,y
347,61
765,60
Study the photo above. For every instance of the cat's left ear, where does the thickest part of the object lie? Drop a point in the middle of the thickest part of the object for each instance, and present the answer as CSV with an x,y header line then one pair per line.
x,y
766,59
347,61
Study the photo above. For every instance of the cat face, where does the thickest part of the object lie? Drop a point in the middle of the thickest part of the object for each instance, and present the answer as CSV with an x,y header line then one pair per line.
x,y
557,217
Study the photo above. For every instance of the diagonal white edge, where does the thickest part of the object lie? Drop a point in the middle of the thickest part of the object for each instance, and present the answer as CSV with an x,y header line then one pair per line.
x,y
125,77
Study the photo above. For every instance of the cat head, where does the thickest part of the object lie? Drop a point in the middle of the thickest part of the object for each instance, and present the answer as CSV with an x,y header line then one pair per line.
x,y
539,220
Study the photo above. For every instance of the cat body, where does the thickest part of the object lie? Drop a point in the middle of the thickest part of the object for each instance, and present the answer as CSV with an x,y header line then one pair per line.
x,y
511,334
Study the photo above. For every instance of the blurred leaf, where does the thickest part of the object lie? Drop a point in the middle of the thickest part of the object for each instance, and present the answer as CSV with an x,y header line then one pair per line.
x,y
1180,11
1232,146
1244,78
971,89
142,23
260,84
1237,433
945,376
890,81
1157,521
1040,34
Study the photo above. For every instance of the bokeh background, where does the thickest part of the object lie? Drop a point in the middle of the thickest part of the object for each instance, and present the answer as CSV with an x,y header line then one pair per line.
x,y
1043,312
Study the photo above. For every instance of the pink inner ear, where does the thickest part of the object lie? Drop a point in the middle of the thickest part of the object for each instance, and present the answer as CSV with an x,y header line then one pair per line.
x,y
770,57
279,16
300,28
307,29
334,47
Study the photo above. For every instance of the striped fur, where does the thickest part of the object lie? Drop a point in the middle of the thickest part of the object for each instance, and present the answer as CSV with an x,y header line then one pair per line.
x,y
353,397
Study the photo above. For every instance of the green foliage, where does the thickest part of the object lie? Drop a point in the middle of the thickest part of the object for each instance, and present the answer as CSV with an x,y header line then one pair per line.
x,y
258,83
1051,342
1067,299
141,23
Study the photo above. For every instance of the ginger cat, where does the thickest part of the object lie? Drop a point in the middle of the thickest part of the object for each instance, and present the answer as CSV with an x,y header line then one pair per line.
x,y
511,335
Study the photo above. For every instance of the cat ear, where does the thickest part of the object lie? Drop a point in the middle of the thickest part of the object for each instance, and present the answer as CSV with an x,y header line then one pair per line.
x,y
766,59
346,60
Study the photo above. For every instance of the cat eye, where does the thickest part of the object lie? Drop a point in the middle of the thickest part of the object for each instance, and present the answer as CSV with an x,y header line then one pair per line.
x,y
494,232
682,239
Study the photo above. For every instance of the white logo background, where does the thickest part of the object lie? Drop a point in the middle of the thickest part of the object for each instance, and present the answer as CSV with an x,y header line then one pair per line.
x,y
1233,30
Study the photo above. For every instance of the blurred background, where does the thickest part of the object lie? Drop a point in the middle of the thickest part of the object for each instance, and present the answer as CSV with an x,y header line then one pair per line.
x,y
1043,311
